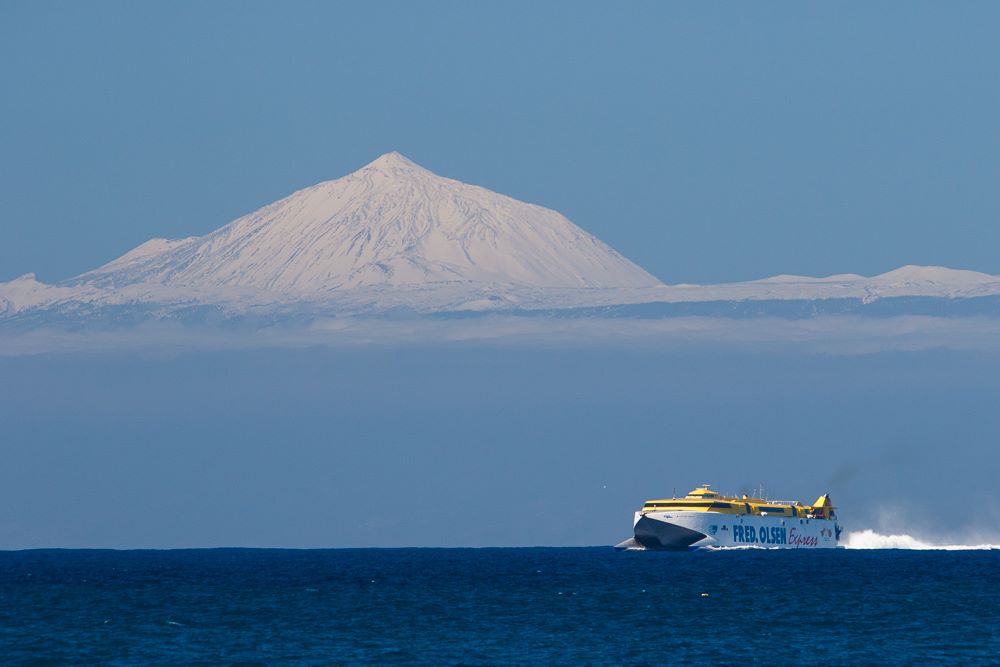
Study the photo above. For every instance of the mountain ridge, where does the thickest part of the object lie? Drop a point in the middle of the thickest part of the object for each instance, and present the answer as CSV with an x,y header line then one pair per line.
x,y
393,236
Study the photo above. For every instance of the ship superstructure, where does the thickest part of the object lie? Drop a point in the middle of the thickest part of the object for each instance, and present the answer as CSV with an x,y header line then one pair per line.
x,y
706,518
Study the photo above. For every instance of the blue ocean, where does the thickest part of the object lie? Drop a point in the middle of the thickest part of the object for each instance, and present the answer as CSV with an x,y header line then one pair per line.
x,y
488,606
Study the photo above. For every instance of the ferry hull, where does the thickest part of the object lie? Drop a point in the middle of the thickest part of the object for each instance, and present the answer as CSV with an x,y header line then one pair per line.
x,y
654,534
686,530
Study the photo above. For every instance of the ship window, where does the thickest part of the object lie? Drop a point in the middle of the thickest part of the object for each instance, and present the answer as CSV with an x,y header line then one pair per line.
x,y
682,504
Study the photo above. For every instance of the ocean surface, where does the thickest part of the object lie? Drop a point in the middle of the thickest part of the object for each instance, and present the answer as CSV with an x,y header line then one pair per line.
x,y
475,606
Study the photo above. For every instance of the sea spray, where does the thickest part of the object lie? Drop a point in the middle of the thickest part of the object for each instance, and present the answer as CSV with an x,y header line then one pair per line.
x,y
869,539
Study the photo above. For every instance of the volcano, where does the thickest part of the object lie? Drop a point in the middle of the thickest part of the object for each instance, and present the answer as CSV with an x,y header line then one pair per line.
x,y
390,223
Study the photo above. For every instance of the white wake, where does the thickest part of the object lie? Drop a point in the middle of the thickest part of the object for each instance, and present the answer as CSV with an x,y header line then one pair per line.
x,y
869,539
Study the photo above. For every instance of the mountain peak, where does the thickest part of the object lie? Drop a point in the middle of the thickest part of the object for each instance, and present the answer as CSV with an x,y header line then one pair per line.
x,y
392,162
391,223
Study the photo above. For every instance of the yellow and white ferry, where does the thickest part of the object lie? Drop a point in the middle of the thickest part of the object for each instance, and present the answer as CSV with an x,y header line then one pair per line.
x,y
705,518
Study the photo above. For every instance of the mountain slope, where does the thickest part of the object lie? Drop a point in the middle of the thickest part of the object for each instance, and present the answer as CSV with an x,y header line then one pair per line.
x,y
390,223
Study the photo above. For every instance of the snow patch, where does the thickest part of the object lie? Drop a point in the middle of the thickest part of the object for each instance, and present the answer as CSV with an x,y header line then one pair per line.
x,y
933,275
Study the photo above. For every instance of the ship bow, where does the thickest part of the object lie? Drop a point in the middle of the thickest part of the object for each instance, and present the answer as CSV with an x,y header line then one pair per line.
x,y
656,534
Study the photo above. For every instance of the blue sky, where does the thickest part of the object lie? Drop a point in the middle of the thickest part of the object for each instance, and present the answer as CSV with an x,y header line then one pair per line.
x,y
706,142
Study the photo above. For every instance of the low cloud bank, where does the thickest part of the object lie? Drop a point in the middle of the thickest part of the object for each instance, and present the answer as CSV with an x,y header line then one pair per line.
x,y
845,335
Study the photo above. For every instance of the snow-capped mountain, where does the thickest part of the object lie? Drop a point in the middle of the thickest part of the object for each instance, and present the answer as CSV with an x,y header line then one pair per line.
x,y
391,222
393,236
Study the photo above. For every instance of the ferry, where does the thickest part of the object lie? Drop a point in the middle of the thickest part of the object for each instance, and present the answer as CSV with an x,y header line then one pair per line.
x,y
705,518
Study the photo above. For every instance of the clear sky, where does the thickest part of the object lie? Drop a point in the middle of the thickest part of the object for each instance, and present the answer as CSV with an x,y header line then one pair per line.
x,y
705,141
